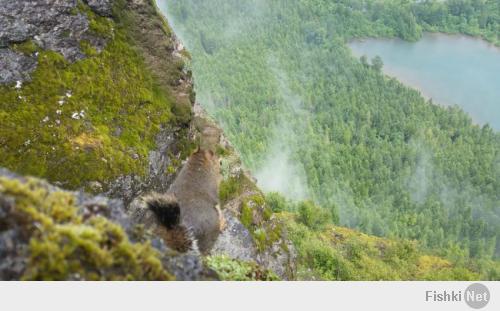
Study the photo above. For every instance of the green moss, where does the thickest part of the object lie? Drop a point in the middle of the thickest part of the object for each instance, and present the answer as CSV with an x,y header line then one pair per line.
x,y
229,189
222,152
234,270
65,246
277,202
27,47
267,213
171,169
100,26
337,253
42,133
261,239
234,186
256,216
313,216
246,216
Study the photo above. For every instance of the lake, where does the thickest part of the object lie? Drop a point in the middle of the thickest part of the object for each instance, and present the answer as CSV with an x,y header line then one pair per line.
x,y
449,69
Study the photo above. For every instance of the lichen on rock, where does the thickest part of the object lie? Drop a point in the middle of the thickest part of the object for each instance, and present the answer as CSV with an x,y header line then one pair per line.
x,y
109,118
96,95
101,7
52,25
50,234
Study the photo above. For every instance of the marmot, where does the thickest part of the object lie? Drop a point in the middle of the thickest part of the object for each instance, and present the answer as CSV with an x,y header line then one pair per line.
x,y
190,208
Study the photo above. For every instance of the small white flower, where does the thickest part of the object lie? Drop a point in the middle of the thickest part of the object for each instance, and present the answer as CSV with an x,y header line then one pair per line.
x,y
28,142
68,94
75,116
46,119
82,114
58,122
59,112
19,84
36,54
61,102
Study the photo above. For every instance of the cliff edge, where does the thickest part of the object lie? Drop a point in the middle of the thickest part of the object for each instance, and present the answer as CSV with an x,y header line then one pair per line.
x,y
97,103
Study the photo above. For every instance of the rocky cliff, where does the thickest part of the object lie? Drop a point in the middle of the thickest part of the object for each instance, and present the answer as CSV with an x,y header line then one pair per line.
x,y
97,105
96,98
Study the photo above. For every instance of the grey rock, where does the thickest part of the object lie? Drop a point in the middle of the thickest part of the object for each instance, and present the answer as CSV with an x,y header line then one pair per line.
x,y
141,214
126,188
235,241
279,261
13,242
15,66
189,267
157,179
101,7
100,205
14,235
23,19
52,24
13,255
65,41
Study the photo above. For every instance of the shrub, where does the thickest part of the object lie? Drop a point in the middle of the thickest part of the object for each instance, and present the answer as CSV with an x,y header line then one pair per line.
x,y
313,216
277,202
229,188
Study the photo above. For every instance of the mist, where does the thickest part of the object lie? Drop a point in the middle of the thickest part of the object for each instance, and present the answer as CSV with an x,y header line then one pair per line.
x,y
256,72
280,174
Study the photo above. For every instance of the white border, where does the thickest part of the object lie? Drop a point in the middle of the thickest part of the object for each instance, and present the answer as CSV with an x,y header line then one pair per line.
x,y
234,296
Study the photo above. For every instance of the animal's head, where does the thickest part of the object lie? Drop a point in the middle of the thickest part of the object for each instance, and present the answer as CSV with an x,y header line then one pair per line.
x,y
207,156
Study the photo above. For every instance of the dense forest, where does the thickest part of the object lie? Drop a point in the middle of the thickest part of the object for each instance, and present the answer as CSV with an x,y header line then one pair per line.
x,y
280,78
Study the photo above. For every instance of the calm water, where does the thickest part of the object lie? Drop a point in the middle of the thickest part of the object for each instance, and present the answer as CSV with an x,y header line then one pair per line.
x,y
449,69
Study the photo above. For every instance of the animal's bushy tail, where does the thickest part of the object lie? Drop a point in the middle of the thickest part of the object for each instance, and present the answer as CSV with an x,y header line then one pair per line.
x,y
166,208
168,213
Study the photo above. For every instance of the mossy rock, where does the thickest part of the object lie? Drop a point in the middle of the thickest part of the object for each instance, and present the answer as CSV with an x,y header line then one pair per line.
x,y
62,242
98,118
230,269
337,253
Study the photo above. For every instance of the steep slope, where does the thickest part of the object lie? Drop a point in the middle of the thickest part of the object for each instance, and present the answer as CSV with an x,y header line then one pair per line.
x,y
298,106
96,96
77,105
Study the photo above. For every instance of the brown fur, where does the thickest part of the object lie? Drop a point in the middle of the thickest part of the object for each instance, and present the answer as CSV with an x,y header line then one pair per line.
x,y
197,191
189,212
178,238
167,212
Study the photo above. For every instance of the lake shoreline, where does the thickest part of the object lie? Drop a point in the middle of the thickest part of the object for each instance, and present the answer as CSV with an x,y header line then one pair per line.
x,y
428,33
451,70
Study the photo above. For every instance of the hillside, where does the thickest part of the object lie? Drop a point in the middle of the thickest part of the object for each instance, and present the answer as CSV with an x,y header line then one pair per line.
x,y
97,104
298,106
96,96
